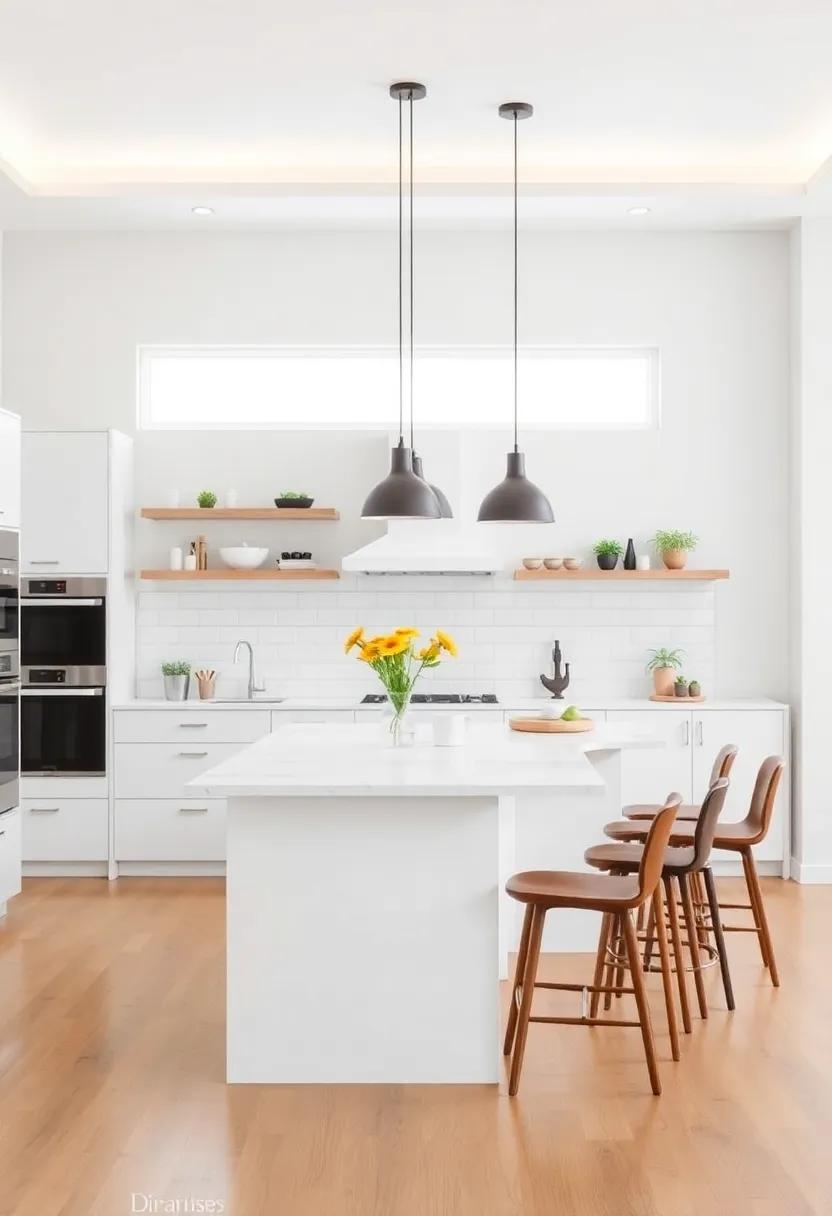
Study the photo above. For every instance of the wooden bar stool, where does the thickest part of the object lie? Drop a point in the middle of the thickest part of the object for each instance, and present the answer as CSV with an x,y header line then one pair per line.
x,y
739,838
721,767
613,897
681,865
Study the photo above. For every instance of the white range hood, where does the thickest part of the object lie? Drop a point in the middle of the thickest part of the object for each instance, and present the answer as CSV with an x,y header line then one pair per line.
x,y
431,546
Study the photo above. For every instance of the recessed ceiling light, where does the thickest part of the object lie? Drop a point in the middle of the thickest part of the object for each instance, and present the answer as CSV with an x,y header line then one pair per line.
x,y
202,210
638,210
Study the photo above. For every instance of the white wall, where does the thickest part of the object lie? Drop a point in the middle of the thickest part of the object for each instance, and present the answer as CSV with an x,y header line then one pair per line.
x,y
717,304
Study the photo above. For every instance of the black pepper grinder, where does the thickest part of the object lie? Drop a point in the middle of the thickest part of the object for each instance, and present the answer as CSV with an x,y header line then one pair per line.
x,y
630,556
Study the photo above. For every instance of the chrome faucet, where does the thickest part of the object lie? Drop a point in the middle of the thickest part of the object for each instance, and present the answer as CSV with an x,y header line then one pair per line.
x,y
253,686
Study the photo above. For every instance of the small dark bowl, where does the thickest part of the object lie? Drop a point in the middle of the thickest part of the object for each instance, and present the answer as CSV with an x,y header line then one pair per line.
x,y
293,502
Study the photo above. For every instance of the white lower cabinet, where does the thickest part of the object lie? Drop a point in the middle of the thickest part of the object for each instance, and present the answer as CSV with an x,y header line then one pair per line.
x,y
163,770
692,740
170,829
65,829
9,856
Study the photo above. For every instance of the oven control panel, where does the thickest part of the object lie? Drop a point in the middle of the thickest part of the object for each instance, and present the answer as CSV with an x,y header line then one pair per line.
x,y
46,586
47,675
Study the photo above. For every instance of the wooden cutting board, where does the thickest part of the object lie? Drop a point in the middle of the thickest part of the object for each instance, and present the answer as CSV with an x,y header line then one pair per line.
x,y
681,701
551,726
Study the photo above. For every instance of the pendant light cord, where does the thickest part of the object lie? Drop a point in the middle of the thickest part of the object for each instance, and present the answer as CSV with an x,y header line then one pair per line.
x,y
401,291
515,281
411,271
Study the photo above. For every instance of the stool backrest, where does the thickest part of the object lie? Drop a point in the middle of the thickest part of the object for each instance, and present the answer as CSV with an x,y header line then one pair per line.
x,y
652,858
762,800
723,763
703,837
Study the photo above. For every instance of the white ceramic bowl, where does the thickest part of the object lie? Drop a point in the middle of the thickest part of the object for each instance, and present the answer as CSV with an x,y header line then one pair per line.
x,y
553,563
573,563
244,557
532,563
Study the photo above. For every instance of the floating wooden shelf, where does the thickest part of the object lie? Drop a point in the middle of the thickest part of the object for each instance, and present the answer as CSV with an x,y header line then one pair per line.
x,y
226,574
273,513
595,575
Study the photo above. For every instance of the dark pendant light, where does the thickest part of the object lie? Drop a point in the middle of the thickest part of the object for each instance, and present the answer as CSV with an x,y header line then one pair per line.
x,y
403,494
516,499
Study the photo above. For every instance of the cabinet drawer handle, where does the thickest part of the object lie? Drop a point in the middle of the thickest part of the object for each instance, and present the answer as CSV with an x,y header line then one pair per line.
x,y
194,755
44,810
51,562
191,725
699,738
687,734
193,810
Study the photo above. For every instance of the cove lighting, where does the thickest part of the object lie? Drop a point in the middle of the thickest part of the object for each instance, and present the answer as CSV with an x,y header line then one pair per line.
x,y
202,210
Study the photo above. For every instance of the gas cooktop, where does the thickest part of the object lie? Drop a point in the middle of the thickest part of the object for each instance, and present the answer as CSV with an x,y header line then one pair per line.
x,y
436,698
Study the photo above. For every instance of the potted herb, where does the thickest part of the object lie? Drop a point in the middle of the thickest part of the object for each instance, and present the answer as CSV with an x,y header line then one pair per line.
x,y
673,547
663,664
694,689
206,499
608,553
680,687
177,680
293,498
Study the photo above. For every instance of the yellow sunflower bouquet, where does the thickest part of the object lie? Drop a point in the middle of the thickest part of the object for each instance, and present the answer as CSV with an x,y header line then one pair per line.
x,y
398,661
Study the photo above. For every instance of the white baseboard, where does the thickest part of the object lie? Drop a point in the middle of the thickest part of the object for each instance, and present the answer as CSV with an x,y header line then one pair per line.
x,y
733,869
64,869
810,874
171,869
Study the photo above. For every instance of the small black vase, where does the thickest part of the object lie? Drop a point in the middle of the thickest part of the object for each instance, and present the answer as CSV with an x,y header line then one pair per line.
x,y
630,556
607,561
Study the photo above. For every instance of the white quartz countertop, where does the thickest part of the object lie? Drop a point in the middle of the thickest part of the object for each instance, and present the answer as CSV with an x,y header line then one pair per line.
x,y
527,705
329,760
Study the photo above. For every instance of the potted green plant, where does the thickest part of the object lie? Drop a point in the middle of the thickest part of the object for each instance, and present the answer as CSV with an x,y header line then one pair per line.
x,y
293,498
694,689
673,547
608,553
680,686
177,675
663,664
206,499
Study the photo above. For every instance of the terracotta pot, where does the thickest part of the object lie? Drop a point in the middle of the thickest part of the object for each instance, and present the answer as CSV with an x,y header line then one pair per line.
x,y
674,559
664,681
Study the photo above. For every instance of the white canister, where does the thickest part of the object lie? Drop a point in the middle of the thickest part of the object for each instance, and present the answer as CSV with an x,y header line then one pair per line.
x,y
173,497
643,561
176,558
190,561
449,730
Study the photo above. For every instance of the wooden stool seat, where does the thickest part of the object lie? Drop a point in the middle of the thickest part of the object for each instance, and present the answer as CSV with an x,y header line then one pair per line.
x,y
735,836
564,889
628,857
721,767
649,810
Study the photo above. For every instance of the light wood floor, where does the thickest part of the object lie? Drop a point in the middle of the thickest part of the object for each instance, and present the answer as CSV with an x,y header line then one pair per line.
x,y
111,1082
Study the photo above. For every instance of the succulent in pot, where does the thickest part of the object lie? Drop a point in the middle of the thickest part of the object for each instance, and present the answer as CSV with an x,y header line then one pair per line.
x,y
663,664
293,498
206,499
177,676
608,553
680,687
694,689
673,547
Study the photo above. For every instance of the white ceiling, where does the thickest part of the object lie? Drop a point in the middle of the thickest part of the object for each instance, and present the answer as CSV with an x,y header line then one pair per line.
x,y
128,113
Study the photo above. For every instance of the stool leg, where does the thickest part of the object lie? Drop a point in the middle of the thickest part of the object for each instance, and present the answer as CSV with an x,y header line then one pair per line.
x,y
529,975
641,1001
678,958
667,982
700,902
719,936
519,967
693,944
614,945
600,961
760,918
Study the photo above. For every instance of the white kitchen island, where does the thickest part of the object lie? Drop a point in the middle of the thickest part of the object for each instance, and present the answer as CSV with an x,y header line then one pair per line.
x,y
367,926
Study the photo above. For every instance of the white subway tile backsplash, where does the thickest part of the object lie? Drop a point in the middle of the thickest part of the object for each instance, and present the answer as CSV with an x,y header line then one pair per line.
x,y
505,632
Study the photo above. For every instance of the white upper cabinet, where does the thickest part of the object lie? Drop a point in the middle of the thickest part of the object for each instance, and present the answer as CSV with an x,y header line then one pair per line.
x,y
9,470
65,502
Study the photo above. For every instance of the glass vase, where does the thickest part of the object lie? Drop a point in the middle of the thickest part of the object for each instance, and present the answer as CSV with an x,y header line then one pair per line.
x,y
401,730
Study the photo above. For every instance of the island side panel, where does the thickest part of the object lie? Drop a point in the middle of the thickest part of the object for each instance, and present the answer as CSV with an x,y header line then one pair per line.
x,y
362,940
